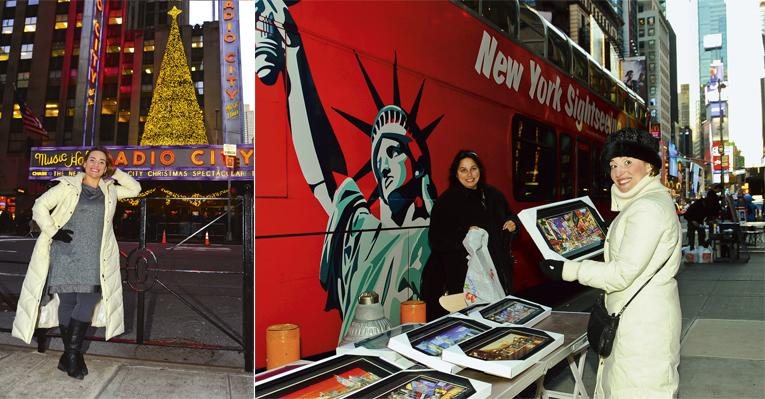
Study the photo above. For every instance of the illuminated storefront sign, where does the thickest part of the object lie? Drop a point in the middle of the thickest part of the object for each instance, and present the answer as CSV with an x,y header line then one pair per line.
x,y
191,162
230,72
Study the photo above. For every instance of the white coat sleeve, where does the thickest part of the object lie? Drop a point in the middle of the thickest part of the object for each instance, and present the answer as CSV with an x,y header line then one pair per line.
x,y
128,186
642,234
43,206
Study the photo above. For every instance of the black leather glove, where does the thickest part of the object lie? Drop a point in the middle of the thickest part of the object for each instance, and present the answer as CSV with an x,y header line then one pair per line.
x,y
552,269
63,236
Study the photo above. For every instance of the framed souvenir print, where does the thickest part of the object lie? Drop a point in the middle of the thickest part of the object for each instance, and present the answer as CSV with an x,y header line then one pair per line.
x,y
566,230
377,345
333,377
429,384
513,310
426,343
504,351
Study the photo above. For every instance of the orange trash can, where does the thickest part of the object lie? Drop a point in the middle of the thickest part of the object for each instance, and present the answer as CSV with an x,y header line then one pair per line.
x,y
282,345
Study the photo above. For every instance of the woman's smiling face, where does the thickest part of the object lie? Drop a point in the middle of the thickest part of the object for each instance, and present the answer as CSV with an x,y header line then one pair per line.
x,y
468,173
626,172
95,165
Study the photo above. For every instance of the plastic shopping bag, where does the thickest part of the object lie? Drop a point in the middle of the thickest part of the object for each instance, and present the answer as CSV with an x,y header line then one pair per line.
x,y
481,282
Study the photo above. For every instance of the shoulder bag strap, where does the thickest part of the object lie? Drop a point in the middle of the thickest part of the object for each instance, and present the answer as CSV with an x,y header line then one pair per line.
x,y
641,288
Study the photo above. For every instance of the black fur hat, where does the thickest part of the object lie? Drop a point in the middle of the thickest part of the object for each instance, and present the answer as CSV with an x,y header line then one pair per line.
x,y
632,143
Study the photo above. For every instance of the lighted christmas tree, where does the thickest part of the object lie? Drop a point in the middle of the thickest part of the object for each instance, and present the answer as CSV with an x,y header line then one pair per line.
x,y
175,117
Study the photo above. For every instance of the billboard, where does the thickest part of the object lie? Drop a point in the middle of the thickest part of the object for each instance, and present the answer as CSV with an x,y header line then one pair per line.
x,y
714,89
188,162
721,163
634,75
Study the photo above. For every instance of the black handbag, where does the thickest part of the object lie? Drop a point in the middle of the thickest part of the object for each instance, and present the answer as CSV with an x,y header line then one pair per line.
x,y
601,328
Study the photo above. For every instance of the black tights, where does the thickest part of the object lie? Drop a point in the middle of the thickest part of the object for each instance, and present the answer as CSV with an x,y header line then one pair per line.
x,y
77,305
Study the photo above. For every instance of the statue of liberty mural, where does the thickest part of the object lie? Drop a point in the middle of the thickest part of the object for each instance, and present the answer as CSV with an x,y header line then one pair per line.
x,y
361,252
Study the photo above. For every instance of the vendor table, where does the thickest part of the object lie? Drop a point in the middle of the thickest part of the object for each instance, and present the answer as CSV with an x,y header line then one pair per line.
x,y
573,326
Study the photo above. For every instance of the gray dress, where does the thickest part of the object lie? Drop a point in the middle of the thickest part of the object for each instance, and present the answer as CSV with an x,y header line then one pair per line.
x,y
74,266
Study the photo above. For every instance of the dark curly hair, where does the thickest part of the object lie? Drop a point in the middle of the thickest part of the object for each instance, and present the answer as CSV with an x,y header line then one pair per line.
x,y
462,154
632,143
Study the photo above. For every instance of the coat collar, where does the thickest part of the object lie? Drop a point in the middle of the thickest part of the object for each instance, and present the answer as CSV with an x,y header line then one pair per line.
x,y
76,181
648,184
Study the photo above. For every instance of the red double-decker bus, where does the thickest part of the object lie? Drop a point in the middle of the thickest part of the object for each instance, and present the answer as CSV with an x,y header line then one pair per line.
x,y
361,106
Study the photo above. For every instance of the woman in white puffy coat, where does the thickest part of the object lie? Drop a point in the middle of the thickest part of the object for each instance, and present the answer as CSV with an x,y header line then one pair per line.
x,y
89,270
644,236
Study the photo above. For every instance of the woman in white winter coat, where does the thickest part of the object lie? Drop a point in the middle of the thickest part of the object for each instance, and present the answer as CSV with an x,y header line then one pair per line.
x,y
644,236
73,278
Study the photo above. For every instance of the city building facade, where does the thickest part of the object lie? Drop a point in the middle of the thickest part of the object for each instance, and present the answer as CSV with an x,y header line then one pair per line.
x,y
46,60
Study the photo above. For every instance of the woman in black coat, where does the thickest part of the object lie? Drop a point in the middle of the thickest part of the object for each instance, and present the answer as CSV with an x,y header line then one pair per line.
x,y
468,203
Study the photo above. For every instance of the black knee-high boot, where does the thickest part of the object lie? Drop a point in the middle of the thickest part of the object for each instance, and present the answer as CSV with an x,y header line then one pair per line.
x,y
76,363
63,363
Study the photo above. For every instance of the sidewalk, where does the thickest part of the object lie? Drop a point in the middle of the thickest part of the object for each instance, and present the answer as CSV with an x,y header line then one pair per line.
x,y
25,373
722,351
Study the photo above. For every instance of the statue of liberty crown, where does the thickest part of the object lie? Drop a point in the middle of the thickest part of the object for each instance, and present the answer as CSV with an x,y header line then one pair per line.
x,y
390,119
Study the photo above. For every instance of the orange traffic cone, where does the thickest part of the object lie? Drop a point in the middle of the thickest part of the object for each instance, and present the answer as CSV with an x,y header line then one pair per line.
x,y
164,237
207,239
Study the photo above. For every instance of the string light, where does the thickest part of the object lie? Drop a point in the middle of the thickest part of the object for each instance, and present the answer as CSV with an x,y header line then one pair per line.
x,y
174,115
195,199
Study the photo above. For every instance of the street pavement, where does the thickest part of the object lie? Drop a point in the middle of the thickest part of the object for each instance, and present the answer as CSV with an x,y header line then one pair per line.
x,y
189,356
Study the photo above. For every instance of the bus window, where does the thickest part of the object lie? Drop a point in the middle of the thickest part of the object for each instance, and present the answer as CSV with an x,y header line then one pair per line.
x,y
583,169
590,176
503,14
620,95
601,182
534,160
566,167
579,64
640,112
613,89
471,4
531,31
595,79
558,51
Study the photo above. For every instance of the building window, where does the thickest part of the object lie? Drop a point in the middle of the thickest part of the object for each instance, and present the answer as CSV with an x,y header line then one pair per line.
x,y
10,3
7,26
4,52
22,79
26,51
641,32
33,2
57,50
113,48
651,20
62,21
30,24
200,87
51,109
148,45
196,42
641,21
115,20
3,78
651,31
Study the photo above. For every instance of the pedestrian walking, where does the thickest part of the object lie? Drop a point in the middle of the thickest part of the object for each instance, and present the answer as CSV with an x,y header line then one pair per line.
x,y
644,238
73,278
